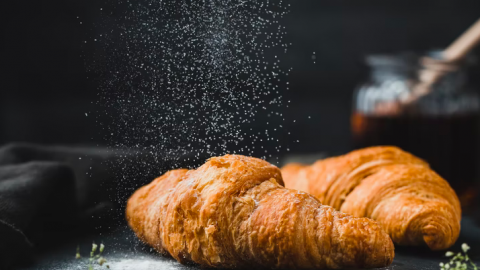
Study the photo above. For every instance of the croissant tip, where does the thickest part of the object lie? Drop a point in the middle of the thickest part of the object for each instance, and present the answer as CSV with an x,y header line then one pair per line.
x,y
389,253
438,237
384,251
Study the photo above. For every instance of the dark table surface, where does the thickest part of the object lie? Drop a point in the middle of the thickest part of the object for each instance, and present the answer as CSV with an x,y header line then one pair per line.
x,y
124,251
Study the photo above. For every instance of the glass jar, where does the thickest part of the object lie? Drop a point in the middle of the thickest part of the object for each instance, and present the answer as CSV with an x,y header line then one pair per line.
x,y
437,120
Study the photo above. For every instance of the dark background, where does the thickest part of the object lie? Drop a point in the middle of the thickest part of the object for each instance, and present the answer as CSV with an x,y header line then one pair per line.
x,y
45,89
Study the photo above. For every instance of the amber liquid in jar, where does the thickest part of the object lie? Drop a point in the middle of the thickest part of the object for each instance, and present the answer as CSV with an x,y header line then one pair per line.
x,y
440,125
450,143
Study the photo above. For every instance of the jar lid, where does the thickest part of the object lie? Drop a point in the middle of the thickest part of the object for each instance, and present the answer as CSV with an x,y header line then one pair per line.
x,y
406,60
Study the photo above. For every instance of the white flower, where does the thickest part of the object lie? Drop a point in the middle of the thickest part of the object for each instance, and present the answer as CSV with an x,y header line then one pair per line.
x,y
447,266
449,254
465,247
102,247
441,264
94,247
101,261
77,256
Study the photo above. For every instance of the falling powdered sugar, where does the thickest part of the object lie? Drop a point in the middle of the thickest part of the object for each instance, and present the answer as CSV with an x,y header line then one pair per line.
x,y
183,80
191,76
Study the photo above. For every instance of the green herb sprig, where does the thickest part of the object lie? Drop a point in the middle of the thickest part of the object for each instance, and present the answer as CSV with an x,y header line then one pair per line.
x,y
94,258
459,261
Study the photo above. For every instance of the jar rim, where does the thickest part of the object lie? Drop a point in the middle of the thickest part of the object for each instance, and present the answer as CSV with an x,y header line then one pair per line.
x,y
406,60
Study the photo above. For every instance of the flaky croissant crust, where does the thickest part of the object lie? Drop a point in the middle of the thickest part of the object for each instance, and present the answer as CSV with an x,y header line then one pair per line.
x,y
413,203
234,212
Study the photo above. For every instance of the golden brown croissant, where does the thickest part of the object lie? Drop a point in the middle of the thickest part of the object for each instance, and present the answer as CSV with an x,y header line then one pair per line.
x,y
413,203
234,212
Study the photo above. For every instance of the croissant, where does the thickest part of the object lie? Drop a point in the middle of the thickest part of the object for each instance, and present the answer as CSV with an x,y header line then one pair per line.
x,y
234,212
411,202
